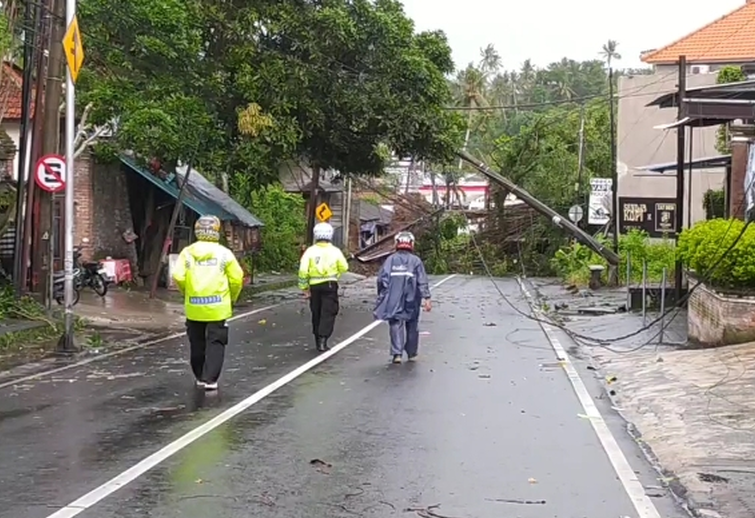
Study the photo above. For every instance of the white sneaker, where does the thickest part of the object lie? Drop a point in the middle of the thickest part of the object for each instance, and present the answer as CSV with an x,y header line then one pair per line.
x,y
211,386
200,384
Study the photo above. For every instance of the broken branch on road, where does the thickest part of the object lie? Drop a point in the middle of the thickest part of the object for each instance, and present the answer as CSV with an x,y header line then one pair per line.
x,y
516,501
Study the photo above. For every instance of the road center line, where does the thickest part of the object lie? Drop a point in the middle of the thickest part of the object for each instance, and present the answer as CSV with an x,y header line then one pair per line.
x,y
632,486
96,495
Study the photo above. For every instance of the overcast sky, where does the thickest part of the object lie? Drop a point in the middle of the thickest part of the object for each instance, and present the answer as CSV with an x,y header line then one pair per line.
x,y
548,30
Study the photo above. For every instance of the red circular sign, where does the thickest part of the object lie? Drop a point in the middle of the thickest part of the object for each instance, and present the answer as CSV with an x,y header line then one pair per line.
x,y
50,173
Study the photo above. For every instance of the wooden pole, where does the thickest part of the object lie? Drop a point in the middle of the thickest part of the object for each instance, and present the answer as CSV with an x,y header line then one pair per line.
x,y
31,230
20,253
50,144
313,191
169,234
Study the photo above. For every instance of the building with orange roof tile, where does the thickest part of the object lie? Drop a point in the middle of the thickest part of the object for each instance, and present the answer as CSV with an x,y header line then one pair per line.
x,y
728,40
11,80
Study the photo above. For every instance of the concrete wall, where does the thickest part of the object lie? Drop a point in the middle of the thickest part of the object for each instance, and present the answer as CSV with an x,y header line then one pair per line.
x,y
639,144
13,129
103,211
719,319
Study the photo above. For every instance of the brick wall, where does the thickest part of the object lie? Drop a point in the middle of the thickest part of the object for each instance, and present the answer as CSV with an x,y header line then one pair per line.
x,y
103,211
715,318
83,199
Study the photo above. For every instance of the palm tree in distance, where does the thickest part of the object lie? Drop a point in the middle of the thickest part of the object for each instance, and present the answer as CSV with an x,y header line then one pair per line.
x,y
490,60
609,53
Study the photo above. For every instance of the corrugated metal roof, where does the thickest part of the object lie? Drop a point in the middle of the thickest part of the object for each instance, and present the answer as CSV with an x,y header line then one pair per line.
x,y
201,195
370,212
201,187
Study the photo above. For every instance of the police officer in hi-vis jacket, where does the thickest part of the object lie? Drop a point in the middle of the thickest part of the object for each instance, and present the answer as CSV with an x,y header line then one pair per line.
x,y
210,279
319,270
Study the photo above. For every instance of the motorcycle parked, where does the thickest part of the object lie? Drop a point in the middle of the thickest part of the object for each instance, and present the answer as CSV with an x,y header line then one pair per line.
x,y
90,274
84,274
58,286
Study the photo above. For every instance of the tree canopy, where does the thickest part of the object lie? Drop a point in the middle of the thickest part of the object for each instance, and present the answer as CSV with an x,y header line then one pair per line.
x,y
242,86
526,124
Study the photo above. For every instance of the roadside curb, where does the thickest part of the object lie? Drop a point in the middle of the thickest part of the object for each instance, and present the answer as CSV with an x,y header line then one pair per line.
x,y
667,478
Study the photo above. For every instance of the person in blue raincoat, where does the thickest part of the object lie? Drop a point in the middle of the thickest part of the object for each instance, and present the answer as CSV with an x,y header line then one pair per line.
x,y
403,291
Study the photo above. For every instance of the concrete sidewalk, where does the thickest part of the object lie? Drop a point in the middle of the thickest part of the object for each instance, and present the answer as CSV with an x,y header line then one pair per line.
x,y
690,410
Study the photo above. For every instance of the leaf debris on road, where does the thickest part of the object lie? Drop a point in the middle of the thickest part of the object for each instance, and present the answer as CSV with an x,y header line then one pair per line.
x,y
426,512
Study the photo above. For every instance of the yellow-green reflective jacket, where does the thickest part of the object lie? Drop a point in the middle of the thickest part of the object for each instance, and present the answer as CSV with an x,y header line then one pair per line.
x,y
322,262
210,278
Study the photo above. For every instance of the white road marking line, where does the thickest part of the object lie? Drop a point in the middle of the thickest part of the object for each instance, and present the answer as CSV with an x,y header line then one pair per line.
x,y
632,485
96,495
31,377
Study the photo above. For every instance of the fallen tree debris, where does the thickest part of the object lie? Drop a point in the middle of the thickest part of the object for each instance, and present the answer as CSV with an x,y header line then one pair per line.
x,y
426,512
516,501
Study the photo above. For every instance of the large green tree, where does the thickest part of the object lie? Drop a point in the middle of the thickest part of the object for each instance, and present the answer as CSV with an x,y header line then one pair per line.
x,y
240,86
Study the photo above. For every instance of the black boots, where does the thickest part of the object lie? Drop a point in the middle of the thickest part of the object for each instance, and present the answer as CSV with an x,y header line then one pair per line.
x,y
322,344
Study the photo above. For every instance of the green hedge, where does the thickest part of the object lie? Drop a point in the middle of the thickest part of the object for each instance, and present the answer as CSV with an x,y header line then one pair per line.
x,y
572,262
702,246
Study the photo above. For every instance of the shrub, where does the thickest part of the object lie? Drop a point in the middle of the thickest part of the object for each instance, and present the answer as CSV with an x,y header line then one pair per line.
x,y
703,249
285,223
572,262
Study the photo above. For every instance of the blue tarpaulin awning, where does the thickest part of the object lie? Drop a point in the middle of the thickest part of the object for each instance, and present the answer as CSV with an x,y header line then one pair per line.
x,y
201,195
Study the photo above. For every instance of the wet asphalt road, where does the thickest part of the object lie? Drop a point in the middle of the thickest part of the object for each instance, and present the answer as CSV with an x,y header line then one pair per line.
x,y
484,420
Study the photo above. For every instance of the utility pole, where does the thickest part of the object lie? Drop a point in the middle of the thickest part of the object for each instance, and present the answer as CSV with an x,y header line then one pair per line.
x,y
347,222
409,176
314,189
66,343
32,199
580,153
680,149
45,234
30,36
690,157
561,222
614,168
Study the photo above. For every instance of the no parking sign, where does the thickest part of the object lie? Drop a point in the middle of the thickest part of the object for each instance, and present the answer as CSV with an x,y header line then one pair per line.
x,y
50,173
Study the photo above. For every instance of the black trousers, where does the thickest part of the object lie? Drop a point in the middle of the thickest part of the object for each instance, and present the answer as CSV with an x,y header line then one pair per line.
x,y
207,341
323,302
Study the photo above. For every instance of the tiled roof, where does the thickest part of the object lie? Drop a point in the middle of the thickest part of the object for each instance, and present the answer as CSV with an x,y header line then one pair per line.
x,y
729,39
10,93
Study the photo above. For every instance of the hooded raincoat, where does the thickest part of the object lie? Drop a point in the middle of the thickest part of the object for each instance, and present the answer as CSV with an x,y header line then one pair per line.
x,y
210,278
401,285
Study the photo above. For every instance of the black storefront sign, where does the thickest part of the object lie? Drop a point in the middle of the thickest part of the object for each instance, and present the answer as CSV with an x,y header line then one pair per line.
x,y
656,216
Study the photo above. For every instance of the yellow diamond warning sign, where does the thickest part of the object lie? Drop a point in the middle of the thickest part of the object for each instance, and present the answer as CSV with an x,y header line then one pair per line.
x,y
74,49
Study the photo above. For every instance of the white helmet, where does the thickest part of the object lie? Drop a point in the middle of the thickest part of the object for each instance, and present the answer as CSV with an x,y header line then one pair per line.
x,y
404,240
323,232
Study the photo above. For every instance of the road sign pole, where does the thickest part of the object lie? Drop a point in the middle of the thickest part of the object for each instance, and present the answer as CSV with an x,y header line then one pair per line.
x,y
66,343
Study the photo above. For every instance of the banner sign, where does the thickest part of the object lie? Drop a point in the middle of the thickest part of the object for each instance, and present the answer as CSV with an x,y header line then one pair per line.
x,y
599,206
656,216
